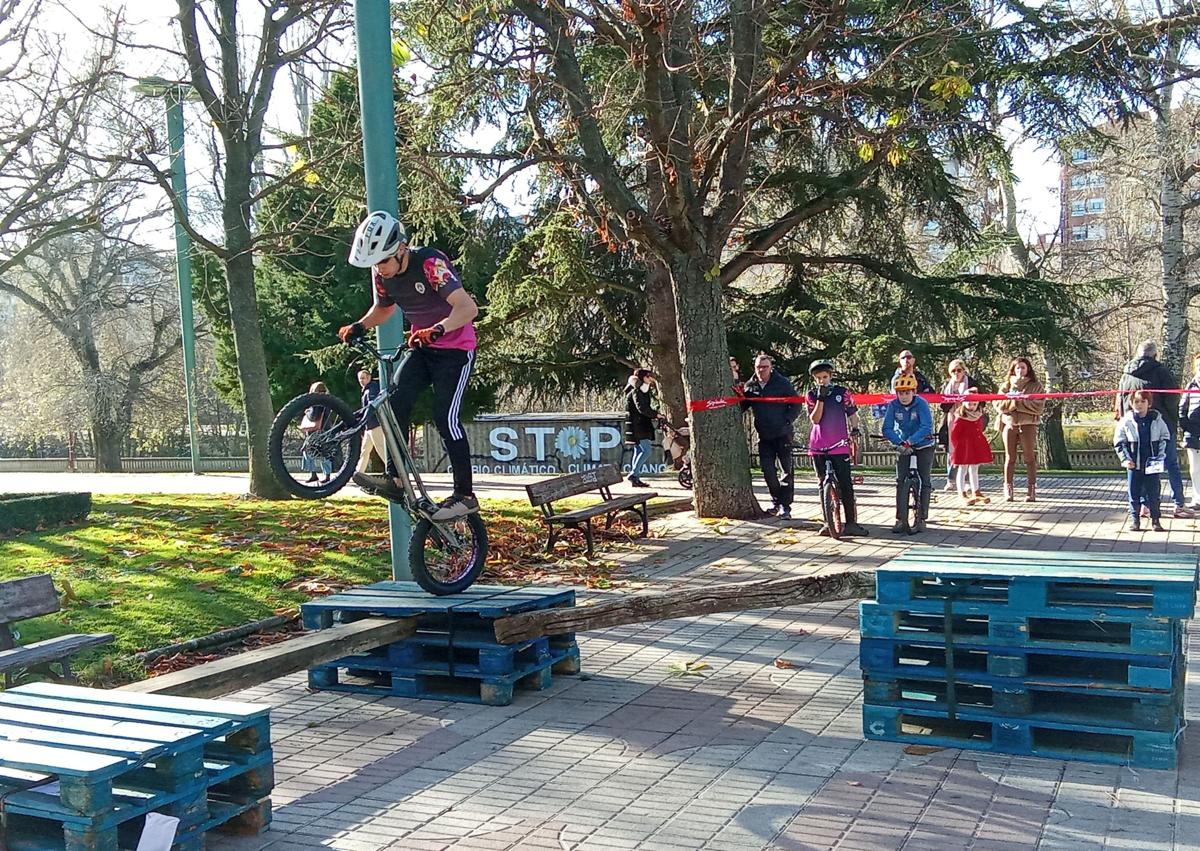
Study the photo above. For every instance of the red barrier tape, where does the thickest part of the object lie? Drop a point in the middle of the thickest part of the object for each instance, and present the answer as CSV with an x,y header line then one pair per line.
x,y
861,399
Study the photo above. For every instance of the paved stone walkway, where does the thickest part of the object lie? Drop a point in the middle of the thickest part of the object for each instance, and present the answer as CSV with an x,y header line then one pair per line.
x,y
750,755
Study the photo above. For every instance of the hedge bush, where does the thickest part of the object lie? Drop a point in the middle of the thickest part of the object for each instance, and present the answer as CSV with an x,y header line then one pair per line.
x,y
20,511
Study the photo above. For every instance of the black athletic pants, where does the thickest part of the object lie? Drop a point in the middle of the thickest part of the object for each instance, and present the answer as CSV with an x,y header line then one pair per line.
x,y
841,472
447,371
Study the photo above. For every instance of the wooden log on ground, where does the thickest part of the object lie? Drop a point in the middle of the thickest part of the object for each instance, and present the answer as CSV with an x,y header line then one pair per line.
x,y
295,654
686,603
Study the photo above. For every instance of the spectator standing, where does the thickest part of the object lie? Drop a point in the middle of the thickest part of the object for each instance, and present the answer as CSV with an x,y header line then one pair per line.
x,y
1189,419
969,448
775,424
908,366
312,422
372,439
1140,439
957,383
639,422
1145,372
1018,424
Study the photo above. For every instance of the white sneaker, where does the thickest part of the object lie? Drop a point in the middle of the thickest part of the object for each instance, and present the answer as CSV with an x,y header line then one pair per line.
x,y
457,506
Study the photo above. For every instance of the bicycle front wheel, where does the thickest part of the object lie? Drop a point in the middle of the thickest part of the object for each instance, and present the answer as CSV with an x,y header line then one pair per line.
x,y
832,509
913,512
441,567
314,445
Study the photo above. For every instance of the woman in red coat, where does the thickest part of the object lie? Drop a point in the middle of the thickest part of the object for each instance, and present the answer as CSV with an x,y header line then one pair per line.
x,y
969,448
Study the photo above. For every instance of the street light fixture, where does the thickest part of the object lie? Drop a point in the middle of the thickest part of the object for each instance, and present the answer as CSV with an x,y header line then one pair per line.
x,y
175,93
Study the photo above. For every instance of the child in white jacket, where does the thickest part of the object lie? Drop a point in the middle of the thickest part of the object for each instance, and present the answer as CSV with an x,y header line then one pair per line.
x,y
1140,439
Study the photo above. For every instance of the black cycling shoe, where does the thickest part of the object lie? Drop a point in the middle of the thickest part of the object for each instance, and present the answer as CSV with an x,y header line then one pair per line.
x,y
918,527
854,530
899,528
384,486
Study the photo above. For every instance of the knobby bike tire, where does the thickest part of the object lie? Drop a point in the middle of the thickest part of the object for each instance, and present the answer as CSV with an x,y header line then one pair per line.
x,y
831,508
685,478
351,447
913,512
425,529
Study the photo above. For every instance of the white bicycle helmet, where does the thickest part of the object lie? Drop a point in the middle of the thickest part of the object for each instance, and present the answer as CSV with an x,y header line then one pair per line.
x,y
377,238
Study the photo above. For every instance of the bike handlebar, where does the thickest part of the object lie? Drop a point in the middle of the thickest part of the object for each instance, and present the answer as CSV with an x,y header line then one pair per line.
x,y
363,345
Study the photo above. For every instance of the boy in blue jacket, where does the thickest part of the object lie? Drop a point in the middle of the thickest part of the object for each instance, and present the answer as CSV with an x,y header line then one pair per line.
x,y
908,425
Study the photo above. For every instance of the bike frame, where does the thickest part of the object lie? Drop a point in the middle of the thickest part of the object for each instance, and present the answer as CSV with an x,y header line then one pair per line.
x,y
416,499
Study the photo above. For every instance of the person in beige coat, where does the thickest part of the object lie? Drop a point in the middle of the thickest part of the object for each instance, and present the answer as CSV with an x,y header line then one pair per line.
x,y
1018,423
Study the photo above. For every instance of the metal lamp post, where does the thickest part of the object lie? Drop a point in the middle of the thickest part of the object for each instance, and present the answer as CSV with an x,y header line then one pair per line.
x,y
174,94
373,32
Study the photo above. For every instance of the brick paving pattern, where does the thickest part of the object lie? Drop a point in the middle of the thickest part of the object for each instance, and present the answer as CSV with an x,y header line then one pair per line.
x,y
750,755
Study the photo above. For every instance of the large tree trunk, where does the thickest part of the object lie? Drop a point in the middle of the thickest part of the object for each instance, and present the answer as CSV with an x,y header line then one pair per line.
x,y
719,452
109,438
660,309
243,317
1052,419
1174,286
664,341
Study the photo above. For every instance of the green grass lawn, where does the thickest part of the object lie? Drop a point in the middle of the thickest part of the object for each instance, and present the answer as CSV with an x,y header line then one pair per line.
x,y
154,570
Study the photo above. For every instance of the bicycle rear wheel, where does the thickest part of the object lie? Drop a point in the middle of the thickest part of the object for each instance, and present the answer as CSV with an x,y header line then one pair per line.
x,y
832,510
440,568
685,476
330,452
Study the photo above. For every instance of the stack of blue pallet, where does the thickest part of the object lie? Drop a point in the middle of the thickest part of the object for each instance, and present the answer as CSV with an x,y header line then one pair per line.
x,y
1070,655
454,654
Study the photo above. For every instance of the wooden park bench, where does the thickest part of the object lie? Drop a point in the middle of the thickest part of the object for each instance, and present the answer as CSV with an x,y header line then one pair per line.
x,y
30,597
545,493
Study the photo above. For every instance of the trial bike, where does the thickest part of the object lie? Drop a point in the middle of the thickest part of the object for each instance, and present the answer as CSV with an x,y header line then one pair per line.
x,y
833,504
909,490
446,556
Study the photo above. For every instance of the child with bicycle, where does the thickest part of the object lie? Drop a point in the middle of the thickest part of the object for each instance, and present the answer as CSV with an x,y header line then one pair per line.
x,y
908,425
1140,439
835,423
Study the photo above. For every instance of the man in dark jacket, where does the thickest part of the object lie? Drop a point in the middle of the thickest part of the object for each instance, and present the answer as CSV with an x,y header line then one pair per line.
x,y
372,439
774,423
908,366
1145,372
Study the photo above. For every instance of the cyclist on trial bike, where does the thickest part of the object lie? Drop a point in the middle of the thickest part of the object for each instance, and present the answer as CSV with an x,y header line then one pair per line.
x,y
834,419
424,285
908,425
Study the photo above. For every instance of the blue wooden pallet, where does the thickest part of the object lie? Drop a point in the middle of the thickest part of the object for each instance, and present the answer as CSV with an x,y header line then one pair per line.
x,y
1022,737
472,610
489,689
1066,669
1110,708
116,756
1073,631
1032,582
455,656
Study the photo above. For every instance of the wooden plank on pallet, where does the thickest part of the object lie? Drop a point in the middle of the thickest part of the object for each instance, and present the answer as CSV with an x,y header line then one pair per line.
x,y
295,654
236,710
685,603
